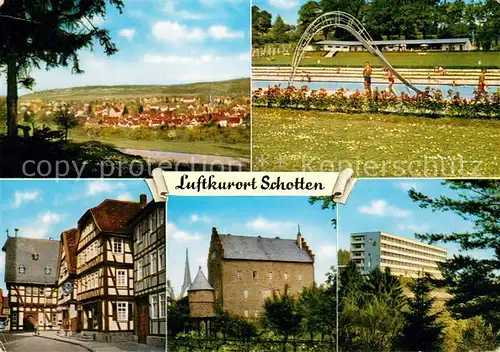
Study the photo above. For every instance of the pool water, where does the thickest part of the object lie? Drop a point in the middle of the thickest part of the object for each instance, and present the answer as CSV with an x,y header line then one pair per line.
x,y
465,91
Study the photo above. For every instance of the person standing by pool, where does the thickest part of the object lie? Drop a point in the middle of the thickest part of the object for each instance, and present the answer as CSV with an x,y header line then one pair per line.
x,y
367,79
481,86
390,79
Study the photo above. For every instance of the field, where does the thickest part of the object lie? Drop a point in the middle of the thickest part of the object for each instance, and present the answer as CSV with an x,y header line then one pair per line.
x,y
238,87
401,60
239,149
374,144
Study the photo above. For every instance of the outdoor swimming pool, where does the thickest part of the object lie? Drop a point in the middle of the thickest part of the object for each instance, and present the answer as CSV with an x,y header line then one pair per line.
x,y
465,91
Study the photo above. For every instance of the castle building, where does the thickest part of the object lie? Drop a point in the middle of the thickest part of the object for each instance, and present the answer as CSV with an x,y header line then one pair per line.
x,y
105,268
66,276
30,277
150,289
245,271
404,256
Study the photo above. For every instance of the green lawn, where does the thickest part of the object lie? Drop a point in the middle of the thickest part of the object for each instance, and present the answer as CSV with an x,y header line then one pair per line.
x,y
207,148
374,144
401,60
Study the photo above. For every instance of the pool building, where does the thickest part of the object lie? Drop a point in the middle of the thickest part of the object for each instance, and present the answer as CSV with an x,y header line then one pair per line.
x,y
452,44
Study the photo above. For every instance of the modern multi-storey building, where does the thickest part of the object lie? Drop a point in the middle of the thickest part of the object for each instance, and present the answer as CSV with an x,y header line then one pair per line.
x,y
30,277
150,290
245,271
404,256
66,274
105,267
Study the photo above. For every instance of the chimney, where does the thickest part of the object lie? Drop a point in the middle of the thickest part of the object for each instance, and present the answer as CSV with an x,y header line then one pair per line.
x,y
143,199
7,231
16,230
299,237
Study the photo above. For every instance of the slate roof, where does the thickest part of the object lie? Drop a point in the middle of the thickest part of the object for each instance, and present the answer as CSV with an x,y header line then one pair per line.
x,y
19,251
113,215
261,248
398,41
200,282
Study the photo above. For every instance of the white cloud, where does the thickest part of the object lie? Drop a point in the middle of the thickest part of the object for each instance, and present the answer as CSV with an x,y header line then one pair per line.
x,y
414,227
172,32
42,226
406,186
128,33
98,187
21,198
327,250
381,208
151,70
194,218
171,9
265,225
168,31
174,233
126,196
284,4
223,32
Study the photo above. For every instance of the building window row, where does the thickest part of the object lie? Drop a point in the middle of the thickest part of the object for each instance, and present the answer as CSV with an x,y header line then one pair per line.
x,y
411,251
413,244
156,264
255,275
157,301
88,282
410,265
88,253
407,257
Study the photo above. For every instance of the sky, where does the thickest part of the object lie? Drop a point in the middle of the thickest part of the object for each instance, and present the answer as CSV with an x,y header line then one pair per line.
x,y
164,42
45,208
375,205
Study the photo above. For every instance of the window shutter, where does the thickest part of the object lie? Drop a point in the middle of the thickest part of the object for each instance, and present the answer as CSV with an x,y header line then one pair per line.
x,y
115,311
130,311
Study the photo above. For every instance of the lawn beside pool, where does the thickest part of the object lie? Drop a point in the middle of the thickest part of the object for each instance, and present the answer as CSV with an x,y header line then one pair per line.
x,y
374,144
398,60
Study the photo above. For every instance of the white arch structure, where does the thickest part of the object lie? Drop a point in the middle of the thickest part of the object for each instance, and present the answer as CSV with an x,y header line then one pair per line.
x,y
350,23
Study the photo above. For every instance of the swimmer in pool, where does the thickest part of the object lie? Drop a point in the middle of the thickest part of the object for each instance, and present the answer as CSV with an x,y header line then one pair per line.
x,y
367,79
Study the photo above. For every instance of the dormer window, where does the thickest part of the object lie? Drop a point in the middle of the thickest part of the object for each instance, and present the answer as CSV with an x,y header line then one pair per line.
x,y
35,256
48,270
22,269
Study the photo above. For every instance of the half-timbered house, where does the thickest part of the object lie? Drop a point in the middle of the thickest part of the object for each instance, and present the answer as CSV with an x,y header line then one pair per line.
x,y
149,274
105,288
30,277
66,276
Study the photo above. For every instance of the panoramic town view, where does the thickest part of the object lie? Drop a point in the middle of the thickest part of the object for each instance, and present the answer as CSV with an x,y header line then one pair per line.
x,y
144,84
87,271
415,262
352,83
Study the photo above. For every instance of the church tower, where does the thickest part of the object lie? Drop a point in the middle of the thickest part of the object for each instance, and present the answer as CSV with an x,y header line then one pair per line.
x,y
187,277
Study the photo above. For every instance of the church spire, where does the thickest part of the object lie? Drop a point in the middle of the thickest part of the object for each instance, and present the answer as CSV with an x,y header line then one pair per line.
x,y
187,276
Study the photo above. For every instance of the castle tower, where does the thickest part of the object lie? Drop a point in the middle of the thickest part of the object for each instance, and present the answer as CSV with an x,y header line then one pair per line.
x,y
201,297
187,277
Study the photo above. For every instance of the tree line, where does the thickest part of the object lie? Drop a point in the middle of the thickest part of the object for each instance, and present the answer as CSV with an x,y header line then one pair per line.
x,y
390,19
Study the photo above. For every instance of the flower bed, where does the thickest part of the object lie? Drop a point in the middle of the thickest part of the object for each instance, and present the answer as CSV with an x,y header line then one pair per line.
x,y
431,102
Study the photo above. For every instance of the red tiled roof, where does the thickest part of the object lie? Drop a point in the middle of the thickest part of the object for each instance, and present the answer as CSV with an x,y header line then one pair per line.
x,y
69,241
112,215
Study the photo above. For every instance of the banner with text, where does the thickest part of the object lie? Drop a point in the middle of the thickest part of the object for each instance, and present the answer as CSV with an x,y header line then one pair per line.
x,y
338,185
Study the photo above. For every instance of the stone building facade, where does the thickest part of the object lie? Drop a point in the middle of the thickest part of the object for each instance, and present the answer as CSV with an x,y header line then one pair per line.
x,y
245,271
